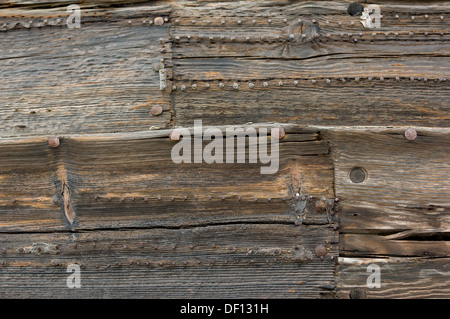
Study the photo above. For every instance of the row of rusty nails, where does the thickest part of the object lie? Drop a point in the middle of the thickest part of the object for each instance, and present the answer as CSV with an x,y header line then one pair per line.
x,y
231,248
159,21
298,20
184,198
280,83
360,36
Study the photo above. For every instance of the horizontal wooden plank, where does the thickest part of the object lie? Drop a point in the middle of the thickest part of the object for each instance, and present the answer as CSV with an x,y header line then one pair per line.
x,y
407,174
98,78
401,278
354,245
227,261
334,104
88,172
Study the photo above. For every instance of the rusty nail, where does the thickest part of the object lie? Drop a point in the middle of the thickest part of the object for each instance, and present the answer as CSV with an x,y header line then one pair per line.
x,y
410,134
158,21
191,247
278,132
320,251
53,142
156,110
320,206
175,135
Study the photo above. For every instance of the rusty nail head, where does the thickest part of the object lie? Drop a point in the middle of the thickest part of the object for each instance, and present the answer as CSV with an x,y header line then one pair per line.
x,y
158,21
175,135
156,110
320,206
53,141
410,134
320,251
278,133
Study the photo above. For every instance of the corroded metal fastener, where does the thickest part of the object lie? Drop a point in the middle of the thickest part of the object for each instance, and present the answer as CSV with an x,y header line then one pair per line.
x,y
53,141
320,251
175,135
357,175
278,132
158,21
320,206
355,9
410,134
156,110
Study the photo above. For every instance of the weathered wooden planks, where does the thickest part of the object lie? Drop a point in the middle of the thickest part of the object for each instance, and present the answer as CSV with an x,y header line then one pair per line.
x,y
98,78
142,226
400,277
224,261
311,64
90,173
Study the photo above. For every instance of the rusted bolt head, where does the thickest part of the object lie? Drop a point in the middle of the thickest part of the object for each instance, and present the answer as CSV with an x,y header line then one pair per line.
x,y
175,135
320,206
357,293
355,9
156,110
158,21
53,141
320,251
357,175
410,134
278,133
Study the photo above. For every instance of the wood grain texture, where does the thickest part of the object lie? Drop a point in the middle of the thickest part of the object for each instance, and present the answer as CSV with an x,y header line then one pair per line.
x,y
257,43
401,278
151,190
227,261
98,78
111,199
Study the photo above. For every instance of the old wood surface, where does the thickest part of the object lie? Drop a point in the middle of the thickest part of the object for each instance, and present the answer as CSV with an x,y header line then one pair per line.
x,y
111,199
